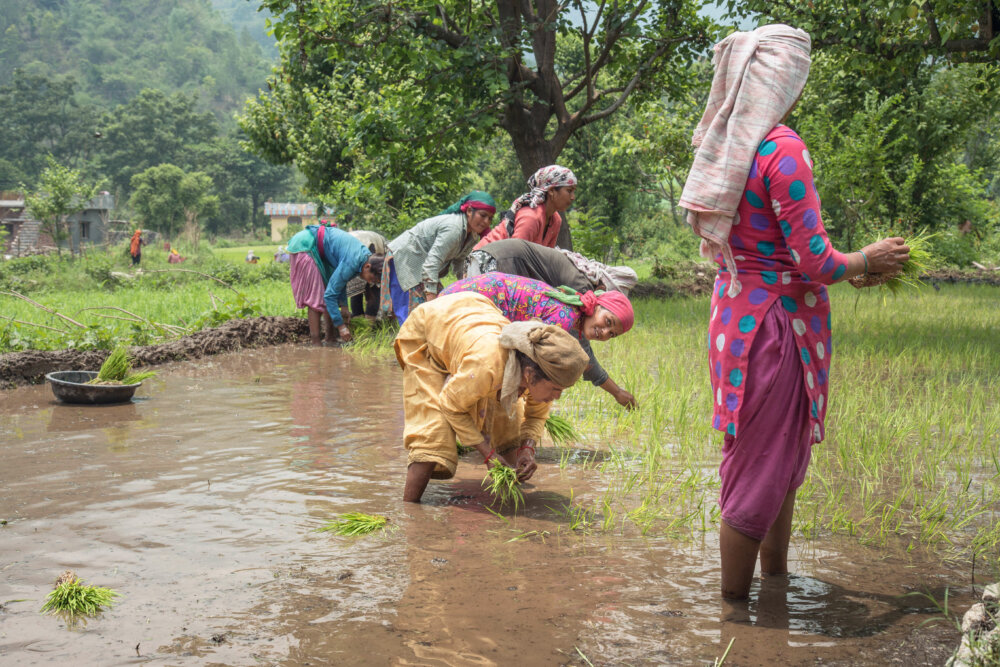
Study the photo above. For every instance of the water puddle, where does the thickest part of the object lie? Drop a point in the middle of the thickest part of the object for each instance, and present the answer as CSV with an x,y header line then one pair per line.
x,y
199,503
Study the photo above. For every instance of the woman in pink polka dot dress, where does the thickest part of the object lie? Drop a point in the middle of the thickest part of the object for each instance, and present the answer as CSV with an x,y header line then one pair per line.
x,y
752,198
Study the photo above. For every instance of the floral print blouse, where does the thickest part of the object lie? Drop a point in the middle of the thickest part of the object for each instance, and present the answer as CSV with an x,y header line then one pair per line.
x,y
782,254
520,299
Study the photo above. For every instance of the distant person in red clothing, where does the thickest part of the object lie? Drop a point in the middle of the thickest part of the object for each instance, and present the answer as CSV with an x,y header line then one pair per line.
x,y
135,247
536,214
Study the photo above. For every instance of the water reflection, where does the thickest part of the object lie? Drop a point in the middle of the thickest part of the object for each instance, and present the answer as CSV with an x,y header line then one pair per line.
x,y
805,604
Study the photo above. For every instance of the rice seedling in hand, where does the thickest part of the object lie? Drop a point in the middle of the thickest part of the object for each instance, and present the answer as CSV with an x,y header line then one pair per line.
x,y
72,597
117,369
501,481
560,430
354,524
921,260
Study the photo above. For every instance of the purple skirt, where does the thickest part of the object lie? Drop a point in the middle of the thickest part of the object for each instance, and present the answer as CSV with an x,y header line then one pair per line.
x,y
770,454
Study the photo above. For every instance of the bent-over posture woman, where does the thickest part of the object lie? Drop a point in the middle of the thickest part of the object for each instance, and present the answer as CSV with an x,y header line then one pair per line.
x,y
587,315
419,257
465,367
751,197
323,260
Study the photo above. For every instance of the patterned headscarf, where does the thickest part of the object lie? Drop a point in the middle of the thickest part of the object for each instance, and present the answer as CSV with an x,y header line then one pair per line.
x,y
543,180
476,199
758,77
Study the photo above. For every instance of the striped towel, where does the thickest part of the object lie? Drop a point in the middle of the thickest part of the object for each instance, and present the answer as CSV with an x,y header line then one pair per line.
x,y
759,76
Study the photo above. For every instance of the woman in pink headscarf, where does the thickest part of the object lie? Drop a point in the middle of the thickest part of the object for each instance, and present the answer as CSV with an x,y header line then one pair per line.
x,y
750,196
537,213
587,315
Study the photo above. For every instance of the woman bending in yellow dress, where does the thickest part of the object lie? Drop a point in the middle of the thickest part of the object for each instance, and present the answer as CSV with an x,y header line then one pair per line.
x,y
468,372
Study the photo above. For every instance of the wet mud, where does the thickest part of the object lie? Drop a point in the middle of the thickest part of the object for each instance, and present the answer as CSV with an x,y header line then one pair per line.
x,y
200,502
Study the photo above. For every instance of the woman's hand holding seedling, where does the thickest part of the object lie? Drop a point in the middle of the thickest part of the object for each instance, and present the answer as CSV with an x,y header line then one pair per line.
x,y
526,465
886,256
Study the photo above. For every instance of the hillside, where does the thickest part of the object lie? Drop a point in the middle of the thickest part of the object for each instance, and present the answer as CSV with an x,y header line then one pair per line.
x,y
242,15
115,48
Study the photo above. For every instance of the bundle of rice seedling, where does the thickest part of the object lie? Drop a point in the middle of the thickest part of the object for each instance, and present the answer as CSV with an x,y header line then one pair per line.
x,y
117,369
501,481
560,430
354,524
920,261
72,597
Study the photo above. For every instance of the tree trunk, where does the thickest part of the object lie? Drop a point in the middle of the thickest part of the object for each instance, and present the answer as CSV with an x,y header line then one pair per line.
x,y
532,150
254,203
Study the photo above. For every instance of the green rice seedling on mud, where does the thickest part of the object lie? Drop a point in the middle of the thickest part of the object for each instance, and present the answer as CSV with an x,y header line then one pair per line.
x,y
354,524
501,481
560,430
73,598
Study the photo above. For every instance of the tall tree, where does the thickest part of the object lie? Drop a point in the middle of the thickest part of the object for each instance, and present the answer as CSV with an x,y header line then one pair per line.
x,y
243,180
171,201
39,116
153,128
431,79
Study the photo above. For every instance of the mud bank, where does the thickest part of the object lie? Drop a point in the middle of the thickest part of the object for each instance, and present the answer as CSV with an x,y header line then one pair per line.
x,y
30,366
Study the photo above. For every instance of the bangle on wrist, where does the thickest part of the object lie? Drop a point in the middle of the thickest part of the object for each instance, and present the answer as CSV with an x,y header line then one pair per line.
x,y
866,261
489,456
527,446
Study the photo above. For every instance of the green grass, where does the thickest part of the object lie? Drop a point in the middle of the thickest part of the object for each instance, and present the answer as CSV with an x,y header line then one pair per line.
x,y
913,428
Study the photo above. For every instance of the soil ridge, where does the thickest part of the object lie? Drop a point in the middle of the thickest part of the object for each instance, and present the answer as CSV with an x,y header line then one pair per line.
x,y
30,366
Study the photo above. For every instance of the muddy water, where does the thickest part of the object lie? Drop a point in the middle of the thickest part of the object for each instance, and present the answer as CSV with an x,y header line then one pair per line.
x,y
199,503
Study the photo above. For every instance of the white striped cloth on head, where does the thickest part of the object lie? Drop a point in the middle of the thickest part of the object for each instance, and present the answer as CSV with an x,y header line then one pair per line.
x,y
759,75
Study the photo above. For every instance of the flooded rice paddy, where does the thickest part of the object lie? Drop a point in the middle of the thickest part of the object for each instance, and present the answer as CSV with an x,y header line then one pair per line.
x,y
200,501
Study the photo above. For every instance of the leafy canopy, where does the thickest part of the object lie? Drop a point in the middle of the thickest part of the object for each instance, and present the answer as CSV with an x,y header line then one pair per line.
x,y
388,102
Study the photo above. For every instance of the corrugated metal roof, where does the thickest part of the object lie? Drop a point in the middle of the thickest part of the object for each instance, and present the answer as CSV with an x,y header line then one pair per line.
x,y
286,209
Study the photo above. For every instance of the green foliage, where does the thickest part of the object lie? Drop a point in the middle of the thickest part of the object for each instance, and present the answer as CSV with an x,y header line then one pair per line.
x,y
116,307
354,524
41,116
151,129
74,598
115,48
894,159
382,105
889,33
593,237
169,200
61,192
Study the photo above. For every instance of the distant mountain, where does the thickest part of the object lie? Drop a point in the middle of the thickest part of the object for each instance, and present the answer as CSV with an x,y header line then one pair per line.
x,y
115,48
